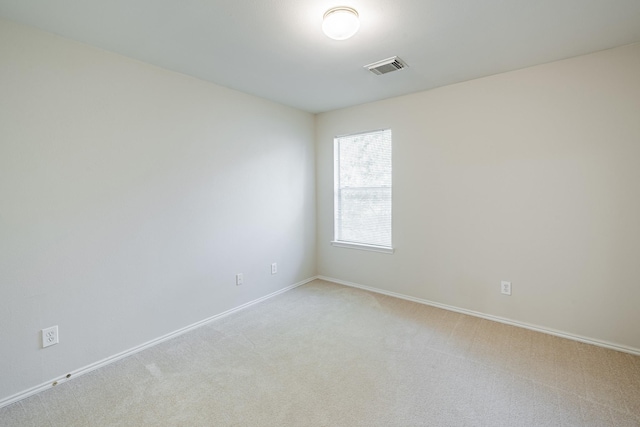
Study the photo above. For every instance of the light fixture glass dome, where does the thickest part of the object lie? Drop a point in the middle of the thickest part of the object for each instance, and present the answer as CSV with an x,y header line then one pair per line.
x,y
340,23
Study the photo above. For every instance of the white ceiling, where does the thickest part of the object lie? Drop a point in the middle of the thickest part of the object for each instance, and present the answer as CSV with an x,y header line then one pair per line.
x,y
276,49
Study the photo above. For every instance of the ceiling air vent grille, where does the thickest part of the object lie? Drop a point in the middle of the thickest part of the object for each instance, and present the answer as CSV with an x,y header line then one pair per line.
x,y
387,65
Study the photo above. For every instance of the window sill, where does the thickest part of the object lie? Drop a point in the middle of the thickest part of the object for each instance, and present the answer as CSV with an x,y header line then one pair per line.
x,y
363,247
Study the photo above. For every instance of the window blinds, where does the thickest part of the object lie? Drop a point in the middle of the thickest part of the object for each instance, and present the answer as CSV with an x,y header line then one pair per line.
x,y
363,188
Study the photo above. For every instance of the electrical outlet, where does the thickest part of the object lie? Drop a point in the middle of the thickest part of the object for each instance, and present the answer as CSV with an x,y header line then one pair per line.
x,y
505,287
50,336
239,279
274,268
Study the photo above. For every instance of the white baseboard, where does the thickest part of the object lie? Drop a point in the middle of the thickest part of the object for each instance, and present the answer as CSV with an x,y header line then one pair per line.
x,y
56,381
587,340
34,390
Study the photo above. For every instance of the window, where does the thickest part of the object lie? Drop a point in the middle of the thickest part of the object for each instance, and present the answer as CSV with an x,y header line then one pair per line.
x,y
362,192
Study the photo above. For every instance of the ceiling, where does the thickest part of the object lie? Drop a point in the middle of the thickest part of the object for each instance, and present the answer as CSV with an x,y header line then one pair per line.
x,y
275,49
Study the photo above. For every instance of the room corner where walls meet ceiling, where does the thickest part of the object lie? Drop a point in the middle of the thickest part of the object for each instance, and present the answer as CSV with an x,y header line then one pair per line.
x,y
444,42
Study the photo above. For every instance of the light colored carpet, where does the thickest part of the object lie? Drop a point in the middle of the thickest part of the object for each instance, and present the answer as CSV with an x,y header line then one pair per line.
x,y
327,355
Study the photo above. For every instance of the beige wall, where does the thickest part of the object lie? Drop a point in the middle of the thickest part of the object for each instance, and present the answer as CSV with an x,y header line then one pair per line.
x,y
530,176
130,197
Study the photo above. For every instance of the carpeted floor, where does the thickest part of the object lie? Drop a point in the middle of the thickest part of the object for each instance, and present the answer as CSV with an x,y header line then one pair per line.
x,y
327,355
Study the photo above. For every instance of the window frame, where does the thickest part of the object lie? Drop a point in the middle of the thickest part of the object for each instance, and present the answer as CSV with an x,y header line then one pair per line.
x,y
336,188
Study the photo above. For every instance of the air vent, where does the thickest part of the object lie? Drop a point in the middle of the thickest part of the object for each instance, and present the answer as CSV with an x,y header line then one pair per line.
x,y
387,65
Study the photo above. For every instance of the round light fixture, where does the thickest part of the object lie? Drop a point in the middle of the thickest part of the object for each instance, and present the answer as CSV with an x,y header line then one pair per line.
x,y
340,23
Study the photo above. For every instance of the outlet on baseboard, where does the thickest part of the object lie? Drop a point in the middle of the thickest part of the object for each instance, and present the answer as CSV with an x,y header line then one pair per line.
x,y
50,336
505,287
274,268
239,279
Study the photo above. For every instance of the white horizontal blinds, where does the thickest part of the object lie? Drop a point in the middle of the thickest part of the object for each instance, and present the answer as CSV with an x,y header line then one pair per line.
x,y
363,188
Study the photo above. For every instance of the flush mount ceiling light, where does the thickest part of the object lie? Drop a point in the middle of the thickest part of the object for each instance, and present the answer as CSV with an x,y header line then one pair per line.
x,y
340,23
